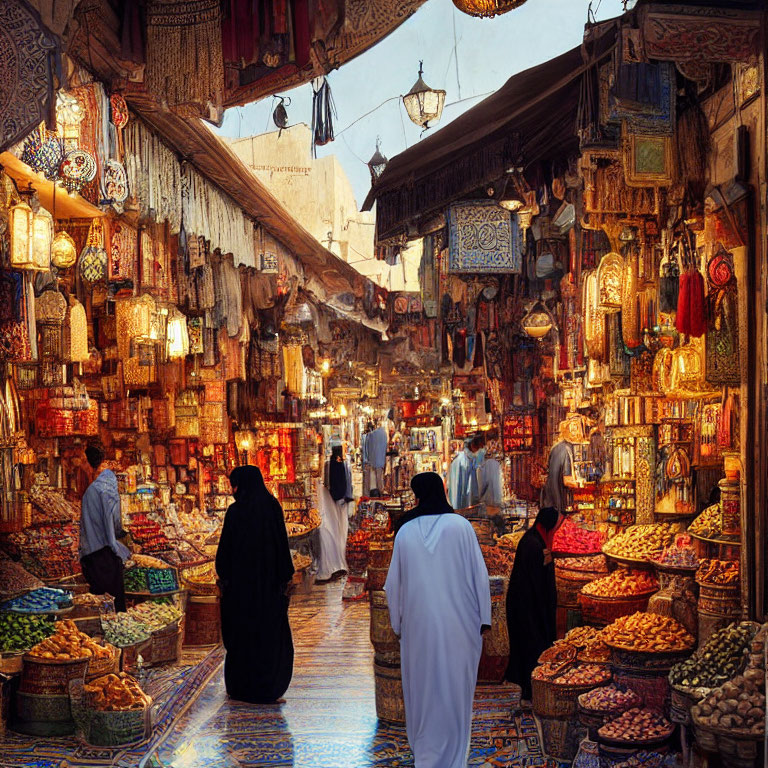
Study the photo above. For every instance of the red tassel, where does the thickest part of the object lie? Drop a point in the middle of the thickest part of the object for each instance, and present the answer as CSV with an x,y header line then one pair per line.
x,y
682,319
698,316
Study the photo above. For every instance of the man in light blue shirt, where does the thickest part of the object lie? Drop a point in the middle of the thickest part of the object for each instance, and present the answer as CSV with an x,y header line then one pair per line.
x,y
462,479
376,448
101,554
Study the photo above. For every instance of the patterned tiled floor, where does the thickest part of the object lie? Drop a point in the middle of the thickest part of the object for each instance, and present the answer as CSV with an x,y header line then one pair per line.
x,y
329,718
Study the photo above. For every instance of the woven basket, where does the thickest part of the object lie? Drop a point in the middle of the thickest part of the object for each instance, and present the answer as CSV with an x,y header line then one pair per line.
x,y
99,667
167,643
376,578
380,553
569,584
680,703
720,600
552,700
195,586
605,610
390,705
50,676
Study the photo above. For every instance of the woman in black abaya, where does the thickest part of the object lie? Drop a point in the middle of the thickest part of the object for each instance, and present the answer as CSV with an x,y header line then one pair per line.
x,y
254,565
532,600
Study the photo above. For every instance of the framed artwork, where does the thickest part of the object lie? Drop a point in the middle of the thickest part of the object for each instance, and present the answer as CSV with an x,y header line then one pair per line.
x,y
648,160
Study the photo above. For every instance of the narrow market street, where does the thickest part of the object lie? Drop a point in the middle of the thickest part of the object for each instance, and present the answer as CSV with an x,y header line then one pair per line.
x,y
329,718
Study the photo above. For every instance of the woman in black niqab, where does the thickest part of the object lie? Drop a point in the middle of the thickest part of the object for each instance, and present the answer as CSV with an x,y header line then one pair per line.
x,y
429,490
254,565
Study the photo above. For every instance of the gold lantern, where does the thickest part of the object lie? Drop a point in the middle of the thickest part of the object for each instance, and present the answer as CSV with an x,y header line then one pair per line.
x,y
487,8
177,337
20,220
538,322
63,251
42,237
423,104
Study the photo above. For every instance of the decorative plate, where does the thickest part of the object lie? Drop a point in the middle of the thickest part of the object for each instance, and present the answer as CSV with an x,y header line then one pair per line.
x,y
43,154
115,182
78,168
119,110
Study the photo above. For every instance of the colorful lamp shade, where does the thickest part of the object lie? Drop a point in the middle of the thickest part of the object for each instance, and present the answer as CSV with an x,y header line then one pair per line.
x,y
423,104
487,8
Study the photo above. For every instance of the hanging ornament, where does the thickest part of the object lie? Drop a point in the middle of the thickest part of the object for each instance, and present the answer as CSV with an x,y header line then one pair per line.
x,y
279,114
78,168
69,115
115,183
423,104
93,257
537,323
118,114
487,8
43,152
63,251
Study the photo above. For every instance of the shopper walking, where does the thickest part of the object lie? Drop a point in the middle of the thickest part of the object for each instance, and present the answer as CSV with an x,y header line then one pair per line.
x,y
439,604
376,447
335,496
254,565
101,554
532,600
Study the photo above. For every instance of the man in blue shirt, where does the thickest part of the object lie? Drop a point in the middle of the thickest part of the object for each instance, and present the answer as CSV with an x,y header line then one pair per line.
x,y
101,554
376,449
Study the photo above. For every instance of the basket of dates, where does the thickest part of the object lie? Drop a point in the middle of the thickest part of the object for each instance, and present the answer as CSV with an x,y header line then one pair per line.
x,y
556,687
598,706
572,573
637,727
623,592
647,642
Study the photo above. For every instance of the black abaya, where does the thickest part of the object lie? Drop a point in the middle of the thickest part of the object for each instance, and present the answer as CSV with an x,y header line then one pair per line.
x,y
531,609
254,565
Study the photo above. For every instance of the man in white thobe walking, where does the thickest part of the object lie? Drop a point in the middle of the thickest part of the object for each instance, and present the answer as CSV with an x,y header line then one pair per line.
x,y
439,604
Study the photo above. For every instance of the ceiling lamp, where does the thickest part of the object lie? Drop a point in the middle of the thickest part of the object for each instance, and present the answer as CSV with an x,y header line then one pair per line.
x,y
377,163
422,103
511,197
537,323
487,8
31,236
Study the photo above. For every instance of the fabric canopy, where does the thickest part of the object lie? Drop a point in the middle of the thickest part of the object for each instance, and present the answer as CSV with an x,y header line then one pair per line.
x,y
532,116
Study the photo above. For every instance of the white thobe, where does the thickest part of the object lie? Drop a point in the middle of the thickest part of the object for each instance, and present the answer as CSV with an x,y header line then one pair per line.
x,y
332,534
439,597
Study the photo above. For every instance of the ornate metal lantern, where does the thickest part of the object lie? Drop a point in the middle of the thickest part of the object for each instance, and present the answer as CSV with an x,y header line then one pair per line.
x,y
422,103
377,163
487,8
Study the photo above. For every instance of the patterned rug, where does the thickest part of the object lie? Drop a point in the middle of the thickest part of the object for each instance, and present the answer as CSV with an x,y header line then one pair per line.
x,y
173,688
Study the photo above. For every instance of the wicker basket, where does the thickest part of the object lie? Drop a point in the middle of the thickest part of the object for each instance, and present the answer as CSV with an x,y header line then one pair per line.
x,y
167,643
380,554
99,667
680,703
605,610
646,662
383,637
720,600
194,585
376,579
50,676
738,750
43,715
390,705
202,621
552,700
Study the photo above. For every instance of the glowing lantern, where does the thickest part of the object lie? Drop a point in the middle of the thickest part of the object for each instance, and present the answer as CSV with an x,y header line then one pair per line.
x,y
422,103
42,237
31,237
487,8
177,337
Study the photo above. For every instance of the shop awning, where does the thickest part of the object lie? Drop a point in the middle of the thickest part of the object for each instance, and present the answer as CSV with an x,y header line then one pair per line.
x,y
532,116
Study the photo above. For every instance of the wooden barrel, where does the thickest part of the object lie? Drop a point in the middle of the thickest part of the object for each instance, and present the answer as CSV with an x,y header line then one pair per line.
x,y
483,528
390,705
383,637
202,622
495,656
719,600
561,737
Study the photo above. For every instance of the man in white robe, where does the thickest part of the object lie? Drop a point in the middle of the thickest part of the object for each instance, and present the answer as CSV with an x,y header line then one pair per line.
x,y
439,605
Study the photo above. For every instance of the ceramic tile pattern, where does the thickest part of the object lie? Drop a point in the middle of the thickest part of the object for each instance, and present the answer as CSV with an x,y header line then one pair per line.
x,y
329,718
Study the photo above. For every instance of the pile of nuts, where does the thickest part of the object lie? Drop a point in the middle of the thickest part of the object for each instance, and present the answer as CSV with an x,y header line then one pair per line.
x,y
640,541
636,726
610,698
648,633
622,583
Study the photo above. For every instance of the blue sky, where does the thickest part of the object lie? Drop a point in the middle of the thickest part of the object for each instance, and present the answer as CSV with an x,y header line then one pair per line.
x,y
489,52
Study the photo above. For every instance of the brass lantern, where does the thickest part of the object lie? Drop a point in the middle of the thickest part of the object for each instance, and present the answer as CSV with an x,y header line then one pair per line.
x,y
20,220
538,322
377,163
422,103
42,237
177,337
487,8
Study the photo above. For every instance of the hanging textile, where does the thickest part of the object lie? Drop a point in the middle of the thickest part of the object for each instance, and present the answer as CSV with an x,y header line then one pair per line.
x,y
78,332
691,311
643,98
722,338
185,64
323,112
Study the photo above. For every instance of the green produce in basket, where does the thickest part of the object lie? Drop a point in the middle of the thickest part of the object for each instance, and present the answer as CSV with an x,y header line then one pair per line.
x,y
19,632
135,580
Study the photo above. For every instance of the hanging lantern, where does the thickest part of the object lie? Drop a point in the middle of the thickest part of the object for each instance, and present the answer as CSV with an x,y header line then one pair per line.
x,y
377,163
42,237
177,337
78,332
20,220
537,323
63,251
422,103
487,8
142,309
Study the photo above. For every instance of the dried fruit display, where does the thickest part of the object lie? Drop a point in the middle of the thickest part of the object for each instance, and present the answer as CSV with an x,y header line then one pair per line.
x,y
577,675
718,572
723,657
147,534
709,524
622,583
577,541
15,579
580,637
648,633
19,632
68,643
155,614
677,555
636,726
49,505
50,552
639,542
610,698
509,540
587,564
115,693
498,560
123,630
